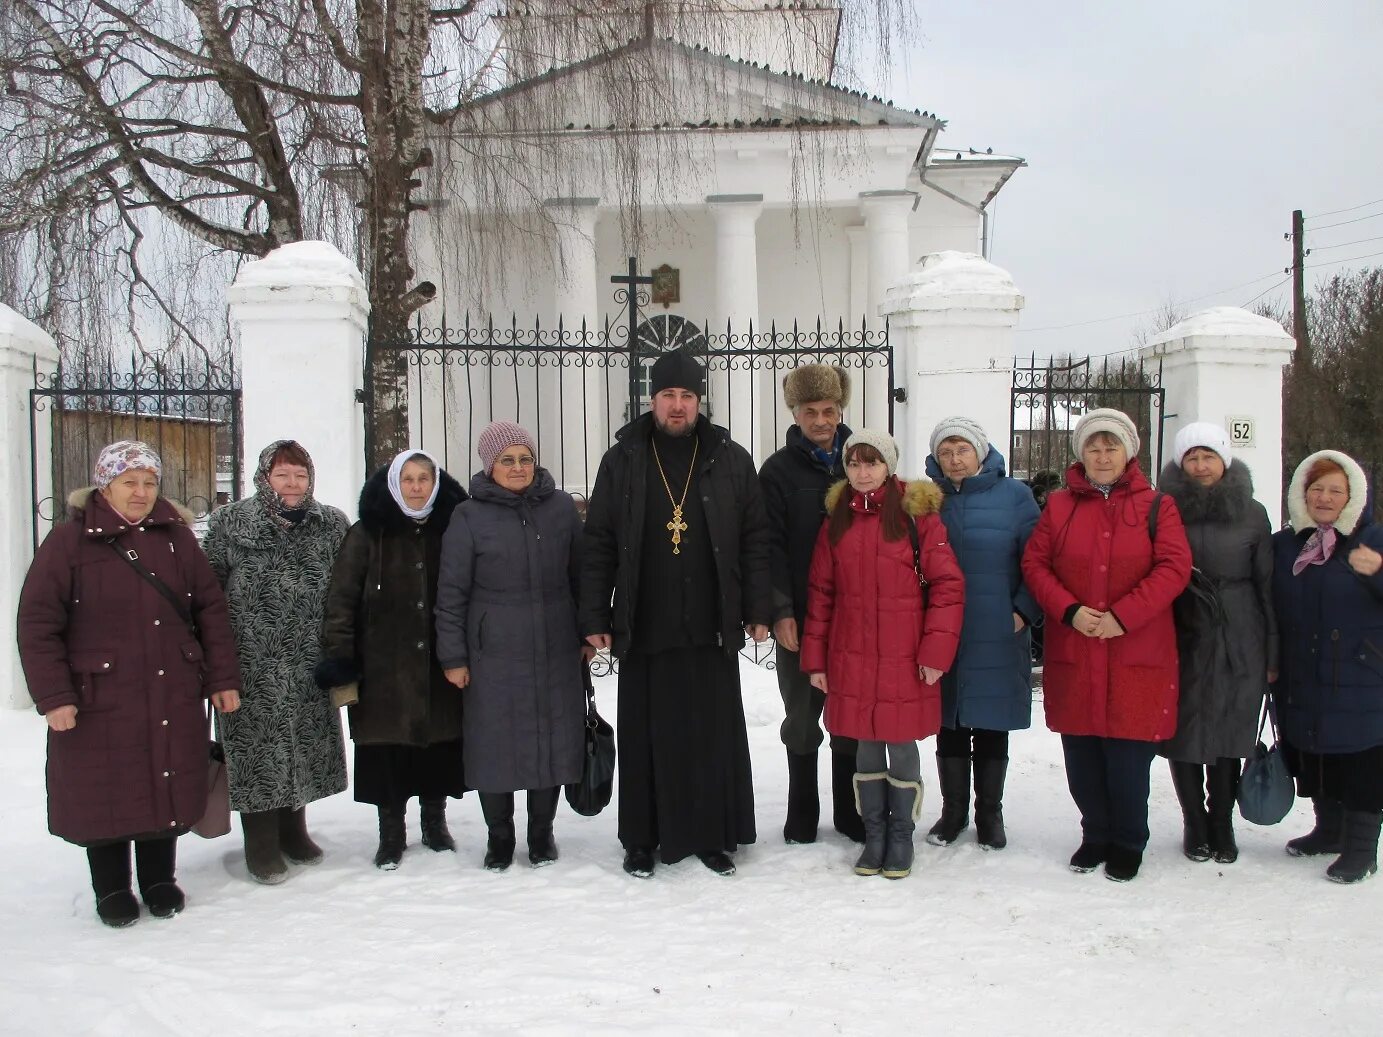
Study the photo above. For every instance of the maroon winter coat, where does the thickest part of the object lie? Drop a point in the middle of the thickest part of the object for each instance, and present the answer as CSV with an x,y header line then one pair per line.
x,y
1095,552
95,634
866,629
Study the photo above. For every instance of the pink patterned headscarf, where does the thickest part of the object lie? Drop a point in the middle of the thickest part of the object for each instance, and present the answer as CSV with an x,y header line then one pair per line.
x,y
1319,546
123,455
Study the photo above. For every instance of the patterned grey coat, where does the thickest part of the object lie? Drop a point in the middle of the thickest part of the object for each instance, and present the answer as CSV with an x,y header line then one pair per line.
x,y
283,746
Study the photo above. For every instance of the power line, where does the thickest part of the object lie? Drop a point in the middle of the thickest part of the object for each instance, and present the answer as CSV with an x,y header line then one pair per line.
x,y
1351,259
1155,309
1264,292
1336,212
1346,223
1356,241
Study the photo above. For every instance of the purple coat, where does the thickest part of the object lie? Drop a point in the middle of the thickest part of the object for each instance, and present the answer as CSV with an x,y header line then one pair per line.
x,y
95,634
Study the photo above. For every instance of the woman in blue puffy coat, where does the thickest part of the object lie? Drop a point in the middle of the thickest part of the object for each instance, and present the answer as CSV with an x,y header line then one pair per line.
x,y
1328,593
988,692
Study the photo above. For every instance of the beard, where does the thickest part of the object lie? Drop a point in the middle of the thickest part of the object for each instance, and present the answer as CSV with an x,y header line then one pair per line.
x,y
675,433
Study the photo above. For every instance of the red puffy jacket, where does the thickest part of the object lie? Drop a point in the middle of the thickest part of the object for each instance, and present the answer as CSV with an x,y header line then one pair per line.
x,y
1087,550
866,629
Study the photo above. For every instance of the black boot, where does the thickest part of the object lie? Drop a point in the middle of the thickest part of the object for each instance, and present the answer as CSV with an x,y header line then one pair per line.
x,y
1222,783
953,775
1123,863
498,808
436,835
1188,779
1359,858
904,807
263,854
110,881
845,810
1327,836
542,810
393,837
156,863
871,797
296,844
804,802
639,862
989,802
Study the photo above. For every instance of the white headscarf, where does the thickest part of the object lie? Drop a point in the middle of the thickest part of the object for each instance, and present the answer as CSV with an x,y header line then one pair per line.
x,y
396,488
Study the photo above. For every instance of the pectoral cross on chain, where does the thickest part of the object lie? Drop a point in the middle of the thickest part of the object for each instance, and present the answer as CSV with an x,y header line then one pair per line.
x,y
677,527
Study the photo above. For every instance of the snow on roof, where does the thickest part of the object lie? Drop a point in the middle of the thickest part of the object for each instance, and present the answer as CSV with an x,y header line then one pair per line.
x,y
970,157
17,327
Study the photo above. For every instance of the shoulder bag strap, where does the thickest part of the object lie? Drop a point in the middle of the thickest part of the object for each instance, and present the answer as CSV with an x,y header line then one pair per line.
x,y
917,558
1152,516
180,607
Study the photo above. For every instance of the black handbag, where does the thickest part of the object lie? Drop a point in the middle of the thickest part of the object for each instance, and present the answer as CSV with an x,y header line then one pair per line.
x,y
1266,788
591,794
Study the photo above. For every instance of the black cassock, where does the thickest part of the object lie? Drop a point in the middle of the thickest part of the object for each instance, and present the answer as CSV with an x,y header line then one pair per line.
x,y
684,775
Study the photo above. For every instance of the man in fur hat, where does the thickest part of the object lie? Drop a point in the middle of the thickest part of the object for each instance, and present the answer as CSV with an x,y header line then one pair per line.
x,y
795,481
674,575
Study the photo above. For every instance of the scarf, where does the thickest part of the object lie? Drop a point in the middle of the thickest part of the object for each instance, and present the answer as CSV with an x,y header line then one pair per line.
x,y
1319,546
396,487
280,513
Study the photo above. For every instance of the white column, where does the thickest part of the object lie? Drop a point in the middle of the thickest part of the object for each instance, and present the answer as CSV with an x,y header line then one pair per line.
x,y
951,321
886,244
575,417
301,315
734,401
27,354
1224,365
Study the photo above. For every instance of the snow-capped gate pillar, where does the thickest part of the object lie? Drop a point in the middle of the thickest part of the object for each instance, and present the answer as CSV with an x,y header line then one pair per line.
x,y
27,354
1224,365
301,314
951,322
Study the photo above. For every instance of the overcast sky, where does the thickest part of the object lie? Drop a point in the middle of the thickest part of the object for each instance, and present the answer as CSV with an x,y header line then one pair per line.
x,y
1167,145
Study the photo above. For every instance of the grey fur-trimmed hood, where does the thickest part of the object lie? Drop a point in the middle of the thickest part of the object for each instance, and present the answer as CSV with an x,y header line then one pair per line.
x,y
1297,515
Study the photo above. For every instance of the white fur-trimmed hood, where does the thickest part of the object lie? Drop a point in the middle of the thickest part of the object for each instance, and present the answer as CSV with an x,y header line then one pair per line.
x,y
1297,514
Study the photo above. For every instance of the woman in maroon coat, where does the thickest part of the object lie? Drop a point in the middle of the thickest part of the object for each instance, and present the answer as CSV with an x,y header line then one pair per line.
x,y
870,644
1106,572
121,678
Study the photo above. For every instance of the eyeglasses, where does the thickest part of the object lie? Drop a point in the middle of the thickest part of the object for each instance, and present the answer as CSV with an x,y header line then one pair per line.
x,y
516,462
956,454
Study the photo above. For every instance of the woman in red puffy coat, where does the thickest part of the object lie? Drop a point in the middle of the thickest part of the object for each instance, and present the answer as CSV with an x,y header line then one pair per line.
x,y
1106,573
870,644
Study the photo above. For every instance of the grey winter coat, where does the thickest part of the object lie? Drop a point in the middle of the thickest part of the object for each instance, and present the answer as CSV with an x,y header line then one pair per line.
x,y
1227,649
506,608
283,745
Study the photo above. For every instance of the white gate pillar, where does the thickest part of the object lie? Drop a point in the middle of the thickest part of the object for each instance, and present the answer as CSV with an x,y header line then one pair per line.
x,y
951,322
301,315
736,402
575,412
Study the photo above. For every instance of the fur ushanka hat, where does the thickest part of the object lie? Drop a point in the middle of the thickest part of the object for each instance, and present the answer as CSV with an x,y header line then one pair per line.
x,y
812,382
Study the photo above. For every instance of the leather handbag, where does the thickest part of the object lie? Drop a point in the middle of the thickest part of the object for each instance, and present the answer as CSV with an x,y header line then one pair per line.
x,y
589,796
1266,788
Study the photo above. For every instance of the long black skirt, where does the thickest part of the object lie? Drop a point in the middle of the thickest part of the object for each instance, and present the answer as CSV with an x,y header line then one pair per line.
x,y
684,777
1355,779
388,775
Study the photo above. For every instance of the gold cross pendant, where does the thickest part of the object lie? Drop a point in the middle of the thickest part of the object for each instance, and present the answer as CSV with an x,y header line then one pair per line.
x,y
676,527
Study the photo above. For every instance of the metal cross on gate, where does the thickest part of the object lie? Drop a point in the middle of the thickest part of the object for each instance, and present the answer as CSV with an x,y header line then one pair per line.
x,y
633,279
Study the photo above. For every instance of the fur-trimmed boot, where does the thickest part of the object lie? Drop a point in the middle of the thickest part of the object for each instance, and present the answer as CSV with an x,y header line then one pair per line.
x,y
1188,779
953,775
393,837
296,844
263,852
498,808
436,835
804,801
845,810
871,802
1327,836
904,808
1359,858
990,774
1222,784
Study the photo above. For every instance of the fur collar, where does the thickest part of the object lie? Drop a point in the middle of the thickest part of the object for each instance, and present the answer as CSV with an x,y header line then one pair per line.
x,y
1357,508
1226,502
380,512
78,500
920,496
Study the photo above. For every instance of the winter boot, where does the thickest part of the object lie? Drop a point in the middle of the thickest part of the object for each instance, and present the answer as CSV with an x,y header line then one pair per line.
x,y
1189,781
1123,863
436,835
1222,782
719,862
498,808
110,881
155,863
953,775
263,854
297,845
904,808
989,802
804,803
393,837
871,803
1359,858
845,809
542,811
639,862
1327,836
1089,856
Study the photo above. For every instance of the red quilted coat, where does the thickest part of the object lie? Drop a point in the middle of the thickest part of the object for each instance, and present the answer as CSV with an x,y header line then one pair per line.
x,y
866,629
1087,550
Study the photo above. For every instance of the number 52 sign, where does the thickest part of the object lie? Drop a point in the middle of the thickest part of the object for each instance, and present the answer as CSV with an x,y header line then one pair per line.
x,y
1240,430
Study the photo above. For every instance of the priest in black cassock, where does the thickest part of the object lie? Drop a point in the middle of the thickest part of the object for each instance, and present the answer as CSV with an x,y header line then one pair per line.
x,y
674,574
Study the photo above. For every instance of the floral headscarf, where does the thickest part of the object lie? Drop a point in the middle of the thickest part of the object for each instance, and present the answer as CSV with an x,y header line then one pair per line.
x,y
123,455
265,494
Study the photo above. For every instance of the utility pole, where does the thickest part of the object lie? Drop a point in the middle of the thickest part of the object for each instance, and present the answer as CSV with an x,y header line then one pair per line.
x,y
1298,272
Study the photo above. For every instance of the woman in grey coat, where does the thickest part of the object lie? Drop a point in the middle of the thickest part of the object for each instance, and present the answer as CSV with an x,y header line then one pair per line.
x,y
1226,635
273,554
506,633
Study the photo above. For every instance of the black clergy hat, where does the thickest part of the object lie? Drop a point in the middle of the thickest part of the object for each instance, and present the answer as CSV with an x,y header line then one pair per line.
x,y
677,370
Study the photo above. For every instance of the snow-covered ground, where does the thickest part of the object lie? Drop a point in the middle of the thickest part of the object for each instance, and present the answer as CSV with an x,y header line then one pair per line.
x,y
973,942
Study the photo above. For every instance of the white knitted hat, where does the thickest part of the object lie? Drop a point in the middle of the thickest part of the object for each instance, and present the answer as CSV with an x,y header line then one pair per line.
x,y
1202,434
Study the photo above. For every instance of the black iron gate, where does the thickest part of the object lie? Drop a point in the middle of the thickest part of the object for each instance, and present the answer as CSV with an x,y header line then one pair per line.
x,y
188,411
574,387
1050,396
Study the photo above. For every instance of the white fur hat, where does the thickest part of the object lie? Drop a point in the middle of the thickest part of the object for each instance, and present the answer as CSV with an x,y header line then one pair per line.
x,y
1202,434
